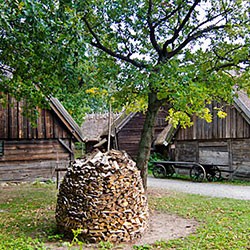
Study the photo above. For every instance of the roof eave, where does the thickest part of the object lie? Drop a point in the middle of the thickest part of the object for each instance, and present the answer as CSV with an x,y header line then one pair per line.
x,y
68,121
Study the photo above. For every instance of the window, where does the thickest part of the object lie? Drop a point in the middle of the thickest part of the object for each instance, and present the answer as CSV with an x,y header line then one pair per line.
x,y
1,148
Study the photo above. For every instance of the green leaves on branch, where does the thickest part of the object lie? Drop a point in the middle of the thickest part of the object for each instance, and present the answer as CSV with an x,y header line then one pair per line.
x,y
188,52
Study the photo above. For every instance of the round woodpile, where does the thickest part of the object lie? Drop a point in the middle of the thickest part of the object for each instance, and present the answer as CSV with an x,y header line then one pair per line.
x,y
103,195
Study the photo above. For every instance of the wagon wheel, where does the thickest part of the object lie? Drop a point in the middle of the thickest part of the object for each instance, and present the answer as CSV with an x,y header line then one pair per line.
x,y
170,170
197,173
213,174
159,171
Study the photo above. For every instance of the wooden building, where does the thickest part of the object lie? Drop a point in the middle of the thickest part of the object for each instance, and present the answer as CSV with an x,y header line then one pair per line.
x,y
223,142
29,153
126,130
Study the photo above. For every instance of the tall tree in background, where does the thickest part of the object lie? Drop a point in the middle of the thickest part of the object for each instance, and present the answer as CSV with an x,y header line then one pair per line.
x,y
143,53
41,54
183,54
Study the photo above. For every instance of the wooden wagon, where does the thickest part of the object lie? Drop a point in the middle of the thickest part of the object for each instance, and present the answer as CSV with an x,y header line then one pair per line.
x,y
198,172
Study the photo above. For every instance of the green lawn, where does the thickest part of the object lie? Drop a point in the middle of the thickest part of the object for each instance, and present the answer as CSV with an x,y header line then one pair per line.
x,y
224,223
27,219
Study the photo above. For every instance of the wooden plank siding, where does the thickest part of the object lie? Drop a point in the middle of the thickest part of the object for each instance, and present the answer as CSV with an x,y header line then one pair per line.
x,y
224,142
31,159
233,126
31,152
129,136
13,125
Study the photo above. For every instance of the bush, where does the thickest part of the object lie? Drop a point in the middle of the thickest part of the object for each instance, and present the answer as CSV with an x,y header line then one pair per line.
x,y
155,157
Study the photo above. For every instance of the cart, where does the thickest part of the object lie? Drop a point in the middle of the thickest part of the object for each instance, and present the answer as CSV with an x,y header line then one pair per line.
x,y
198,172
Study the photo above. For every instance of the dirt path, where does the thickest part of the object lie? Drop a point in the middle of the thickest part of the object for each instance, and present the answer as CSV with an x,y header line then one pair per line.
x,y
203,188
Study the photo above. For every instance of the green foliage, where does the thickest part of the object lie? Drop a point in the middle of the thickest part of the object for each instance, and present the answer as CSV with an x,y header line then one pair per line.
x,y
155,156
42,54
75,241
142,247
103,245
128,49
22,243
169,49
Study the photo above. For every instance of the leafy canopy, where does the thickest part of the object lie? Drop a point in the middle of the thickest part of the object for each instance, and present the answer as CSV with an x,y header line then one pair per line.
x,y
187,52
42,54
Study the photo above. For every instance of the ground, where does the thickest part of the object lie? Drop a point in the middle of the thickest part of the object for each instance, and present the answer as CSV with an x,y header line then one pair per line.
x,y
162,226
165,227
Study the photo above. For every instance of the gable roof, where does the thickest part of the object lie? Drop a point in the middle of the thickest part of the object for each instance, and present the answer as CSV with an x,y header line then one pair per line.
x,y
66,119
94,125
242,104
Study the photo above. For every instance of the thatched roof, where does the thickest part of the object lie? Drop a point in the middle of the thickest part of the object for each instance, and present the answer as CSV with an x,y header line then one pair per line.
x,y
96,125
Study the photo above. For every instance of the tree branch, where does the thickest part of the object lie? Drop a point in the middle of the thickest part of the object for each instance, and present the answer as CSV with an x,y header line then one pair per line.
x,y
227,65
99,45
152,29
206,22
181,26
193,37
156,24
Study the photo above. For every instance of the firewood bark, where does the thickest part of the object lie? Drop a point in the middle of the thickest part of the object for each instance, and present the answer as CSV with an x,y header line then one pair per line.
x,y
103,195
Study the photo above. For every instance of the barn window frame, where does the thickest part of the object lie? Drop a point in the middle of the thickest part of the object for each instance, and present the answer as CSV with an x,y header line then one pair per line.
x,y
1,148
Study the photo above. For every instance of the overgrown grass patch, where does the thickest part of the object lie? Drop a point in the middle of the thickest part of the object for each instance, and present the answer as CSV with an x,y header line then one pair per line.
x,y
27,219
225,223
27,215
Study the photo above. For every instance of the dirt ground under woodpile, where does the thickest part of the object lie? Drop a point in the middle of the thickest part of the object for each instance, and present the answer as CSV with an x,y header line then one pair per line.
x,y
162,226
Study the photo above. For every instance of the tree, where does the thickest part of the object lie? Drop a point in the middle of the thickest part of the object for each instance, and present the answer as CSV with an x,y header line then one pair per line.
x,y
183,54
40,55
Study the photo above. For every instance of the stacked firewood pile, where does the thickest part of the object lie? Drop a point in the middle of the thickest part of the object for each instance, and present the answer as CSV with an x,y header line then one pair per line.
x,y
103,195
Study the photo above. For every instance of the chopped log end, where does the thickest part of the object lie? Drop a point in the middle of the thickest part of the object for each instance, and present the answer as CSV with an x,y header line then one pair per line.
x,y
103,195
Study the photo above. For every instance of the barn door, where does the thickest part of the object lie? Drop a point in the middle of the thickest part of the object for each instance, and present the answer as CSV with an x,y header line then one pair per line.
x,y
214,153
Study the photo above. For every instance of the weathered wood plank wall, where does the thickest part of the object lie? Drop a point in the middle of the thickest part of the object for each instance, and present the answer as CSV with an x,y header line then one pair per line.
x,y
31,152
129,136
31,159
233,126
13,125
223,142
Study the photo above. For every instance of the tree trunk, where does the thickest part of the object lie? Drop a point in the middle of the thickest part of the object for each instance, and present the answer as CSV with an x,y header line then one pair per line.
x,y
147,136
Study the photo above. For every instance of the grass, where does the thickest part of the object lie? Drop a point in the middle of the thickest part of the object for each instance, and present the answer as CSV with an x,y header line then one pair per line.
x,y
225,223
27,219
27,216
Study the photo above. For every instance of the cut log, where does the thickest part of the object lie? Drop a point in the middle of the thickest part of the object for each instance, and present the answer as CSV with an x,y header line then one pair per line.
x,y
103,194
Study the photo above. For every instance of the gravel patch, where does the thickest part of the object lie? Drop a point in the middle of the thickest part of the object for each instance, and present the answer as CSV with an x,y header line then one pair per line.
x,y
203,188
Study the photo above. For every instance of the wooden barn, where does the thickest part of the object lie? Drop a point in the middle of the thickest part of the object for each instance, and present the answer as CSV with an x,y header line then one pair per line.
x,y
125,130
28,153
223,142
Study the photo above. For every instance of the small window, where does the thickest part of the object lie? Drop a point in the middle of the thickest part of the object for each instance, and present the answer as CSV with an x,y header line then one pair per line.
x,y
1,148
